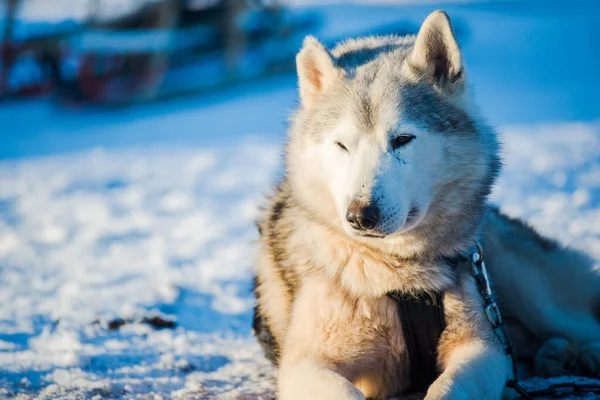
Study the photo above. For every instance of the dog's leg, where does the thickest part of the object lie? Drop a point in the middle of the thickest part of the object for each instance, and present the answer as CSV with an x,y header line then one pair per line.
x,y
473,364
474,371
308,379
318,346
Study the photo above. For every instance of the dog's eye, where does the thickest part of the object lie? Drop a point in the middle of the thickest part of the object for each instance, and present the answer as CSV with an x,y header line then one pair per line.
x,y
341,146
402,140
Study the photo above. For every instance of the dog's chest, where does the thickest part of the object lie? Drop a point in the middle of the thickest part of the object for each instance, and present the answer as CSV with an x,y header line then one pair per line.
x,y
380,367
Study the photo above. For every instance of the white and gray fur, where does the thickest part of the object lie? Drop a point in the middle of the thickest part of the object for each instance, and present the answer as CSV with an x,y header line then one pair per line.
x,y
321,282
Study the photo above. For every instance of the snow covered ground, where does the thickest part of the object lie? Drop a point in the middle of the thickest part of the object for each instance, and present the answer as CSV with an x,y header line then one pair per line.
x,y
148,211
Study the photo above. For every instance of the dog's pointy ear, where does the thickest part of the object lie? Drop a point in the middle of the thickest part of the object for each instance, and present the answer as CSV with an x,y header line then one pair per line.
x,y
436,54
316,70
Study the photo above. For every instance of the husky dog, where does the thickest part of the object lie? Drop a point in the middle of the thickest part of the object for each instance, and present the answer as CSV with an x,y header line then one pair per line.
x,y
387,170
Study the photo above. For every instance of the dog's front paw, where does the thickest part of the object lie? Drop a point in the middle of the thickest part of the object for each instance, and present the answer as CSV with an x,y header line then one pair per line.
x,y
556,357
447,389
466,387
308,380
588,359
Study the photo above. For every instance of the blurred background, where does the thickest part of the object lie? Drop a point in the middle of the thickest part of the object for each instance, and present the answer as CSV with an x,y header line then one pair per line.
x,y
139,137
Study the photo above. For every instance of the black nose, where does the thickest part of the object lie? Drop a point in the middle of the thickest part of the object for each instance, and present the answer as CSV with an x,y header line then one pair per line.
x,y
362,216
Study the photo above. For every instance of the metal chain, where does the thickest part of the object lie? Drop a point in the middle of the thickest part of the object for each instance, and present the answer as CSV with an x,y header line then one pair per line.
x,y
492,311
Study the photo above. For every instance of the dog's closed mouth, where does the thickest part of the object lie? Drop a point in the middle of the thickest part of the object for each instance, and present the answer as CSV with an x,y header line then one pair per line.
x,y
374,235
413,214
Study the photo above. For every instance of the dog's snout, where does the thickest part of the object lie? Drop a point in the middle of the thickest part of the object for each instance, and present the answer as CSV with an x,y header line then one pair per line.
x,y
362,216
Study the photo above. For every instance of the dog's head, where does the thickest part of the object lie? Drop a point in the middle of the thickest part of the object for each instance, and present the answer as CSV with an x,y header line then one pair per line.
x,y
385,140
